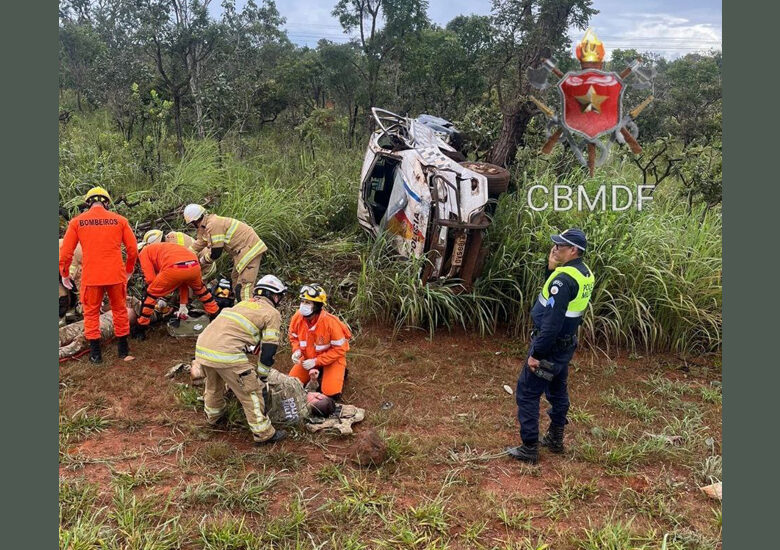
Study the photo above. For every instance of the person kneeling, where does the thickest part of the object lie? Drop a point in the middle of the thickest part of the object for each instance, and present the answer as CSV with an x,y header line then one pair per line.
x,y
319,339
221,348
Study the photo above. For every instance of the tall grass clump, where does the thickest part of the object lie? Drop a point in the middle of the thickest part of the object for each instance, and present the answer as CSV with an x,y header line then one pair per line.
x,y
658,271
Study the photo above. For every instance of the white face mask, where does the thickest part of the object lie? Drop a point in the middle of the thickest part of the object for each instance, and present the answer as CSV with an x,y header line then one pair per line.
x,y
306,309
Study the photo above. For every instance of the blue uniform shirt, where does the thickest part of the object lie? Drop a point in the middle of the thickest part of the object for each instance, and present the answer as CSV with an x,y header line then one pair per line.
x,y
550,321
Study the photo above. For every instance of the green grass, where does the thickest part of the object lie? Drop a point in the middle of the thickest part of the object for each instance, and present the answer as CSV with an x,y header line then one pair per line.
x,y
228,534
520,520
224,491
145,522
625,450
621,535
81,424
77,497
138,477
636,407
189,397
658,272
565,498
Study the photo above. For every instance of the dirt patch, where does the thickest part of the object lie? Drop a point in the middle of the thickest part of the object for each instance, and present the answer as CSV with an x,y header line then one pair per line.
x,y
440,407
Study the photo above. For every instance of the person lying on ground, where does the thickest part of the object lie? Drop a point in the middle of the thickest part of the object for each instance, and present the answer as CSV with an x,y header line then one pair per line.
x,y
73,340
319,339
289,403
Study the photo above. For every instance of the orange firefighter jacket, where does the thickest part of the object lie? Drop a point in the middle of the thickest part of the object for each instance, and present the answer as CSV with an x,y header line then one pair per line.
x,y
157,256
101,234
327,340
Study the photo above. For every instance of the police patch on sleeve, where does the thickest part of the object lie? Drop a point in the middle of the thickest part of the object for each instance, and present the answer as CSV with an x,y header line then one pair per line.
x,y
554,290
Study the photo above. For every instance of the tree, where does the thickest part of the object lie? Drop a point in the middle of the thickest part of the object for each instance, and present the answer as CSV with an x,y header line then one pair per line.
x,y
80,45
524,30
245,86
690,98
342,80
383,26
179,38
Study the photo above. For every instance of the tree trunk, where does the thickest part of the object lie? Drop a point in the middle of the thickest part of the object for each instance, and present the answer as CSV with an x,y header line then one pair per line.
x,y
177,119
194,81
512,129
352,123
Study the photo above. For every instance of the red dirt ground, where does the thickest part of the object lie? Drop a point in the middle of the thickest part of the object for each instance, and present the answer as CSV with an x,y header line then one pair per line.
x,y
447,396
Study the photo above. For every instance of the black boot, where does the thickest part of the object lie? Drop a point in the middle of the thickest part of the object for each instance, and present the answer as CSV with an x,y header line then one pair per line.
x,y
138,332
553,439
95,356
122,347
527,452
278,436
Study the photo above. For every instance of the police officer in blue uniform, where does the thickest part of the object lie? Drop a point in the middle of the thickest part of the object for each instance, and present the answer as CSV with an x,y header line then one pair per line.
x,y
556,315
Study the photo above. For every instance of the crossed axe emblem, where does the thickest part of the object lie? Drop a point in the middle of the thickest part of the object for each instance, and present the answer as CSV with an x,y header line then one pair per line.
x,y
626,131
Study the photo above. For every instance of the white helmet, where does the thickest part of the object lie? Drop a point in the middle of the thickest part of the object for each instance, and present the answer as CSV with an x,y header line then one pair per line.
x,y
193,212
151,236
271,284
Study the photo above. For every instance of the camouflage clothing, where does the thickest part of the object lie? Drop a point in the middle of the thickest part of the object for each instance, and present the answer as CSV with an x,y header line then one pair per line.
x,y
286,399
73,341
340,421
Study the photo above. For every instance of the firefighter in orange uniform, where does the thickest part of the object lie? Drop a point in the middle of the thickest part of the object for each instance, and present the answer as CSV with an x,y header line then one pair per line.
x,y
101,234
319,339
167,267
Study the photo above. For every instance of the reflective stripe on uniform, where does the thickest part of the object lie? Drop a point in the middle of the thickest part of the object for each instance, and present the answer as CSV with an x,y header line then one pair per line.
x,y
218,356
262,370
575,313
323,347
294,335
270,336
211,412
248,326
264,424
542,300
179,238
251,254
220,238
302,343
230,231
338,342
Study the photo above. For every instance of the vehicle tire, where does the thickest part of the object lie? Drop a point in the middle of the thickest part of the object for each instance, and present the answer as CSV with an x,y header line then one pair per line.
x,y
457,156
497,177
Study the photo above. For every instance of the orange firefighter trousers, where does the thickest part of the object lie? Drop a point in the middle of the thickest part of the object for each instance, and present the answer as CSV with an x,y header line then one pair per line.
x,y
332,376
92,298
171,278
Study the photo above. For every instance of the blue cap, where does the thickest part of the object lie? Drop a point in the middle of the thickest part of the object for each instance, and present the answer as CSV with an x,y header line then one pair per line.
x,y
572,237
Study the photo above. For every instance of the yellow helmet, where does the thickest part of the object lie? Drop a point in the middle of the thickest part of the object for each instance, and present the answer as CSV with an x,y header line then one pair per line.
x,y
313,293
151,236
97,193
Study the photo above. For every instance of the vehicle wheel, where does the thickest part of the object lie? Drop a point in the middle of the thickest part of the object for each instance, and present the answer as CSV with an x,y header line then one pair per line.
x,y
457,156
497,177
